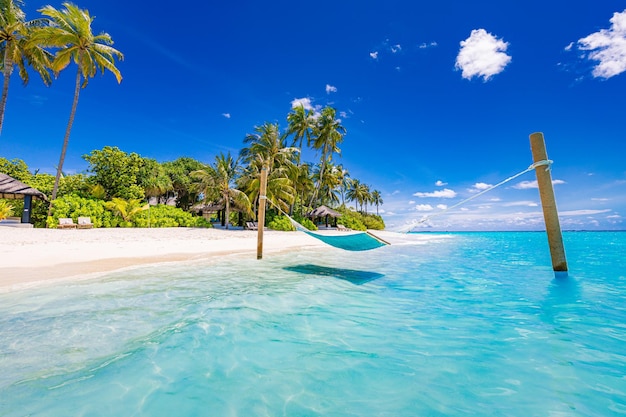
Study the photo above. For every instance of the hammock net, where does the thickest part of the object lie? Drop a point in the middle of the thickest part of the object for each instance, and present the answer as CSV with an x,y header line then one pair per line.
x,y
353,241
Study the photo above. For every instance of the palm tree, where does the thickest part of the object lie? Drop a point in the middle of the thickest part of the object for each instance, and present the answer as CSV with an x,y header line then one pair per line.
x,y
301,123
328,134
329,185
358,193
17,49
377,199
219,180
279,189
268,146
344,182
70,33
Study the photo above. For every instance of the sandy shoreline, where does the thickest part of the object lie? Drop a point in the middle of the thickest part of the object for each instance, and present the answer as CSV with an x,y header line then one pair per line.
x,y
29,256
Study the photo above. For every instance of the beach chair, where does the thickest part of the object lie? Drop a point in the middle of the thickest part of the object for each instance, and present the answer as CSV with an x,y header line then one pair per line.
x,y
66,223
252,226
85,223
342,228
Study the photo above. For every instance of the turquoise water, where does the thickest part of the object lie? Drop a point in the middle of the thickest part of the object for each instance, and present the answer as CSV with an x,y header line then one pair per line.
x,y
471,324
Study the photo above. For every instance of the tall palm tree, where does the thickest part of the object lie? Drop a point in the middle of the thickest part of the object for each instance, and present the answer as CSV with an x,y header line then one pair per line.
x,y
301,123
69,32
358,193
328,134
219,180
344,182
377,199
279,189
330,184
17,49
269,146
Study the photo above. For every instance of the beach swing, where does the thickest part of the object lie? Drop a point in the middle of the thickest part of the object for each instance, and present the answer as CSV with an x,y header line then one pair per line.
x,y
358,241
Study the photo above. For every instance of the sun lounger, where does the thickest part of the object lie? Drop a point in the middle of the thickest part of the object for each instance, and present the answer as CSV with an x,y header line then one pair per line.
x,y
85,223
252,226
66,223
343,228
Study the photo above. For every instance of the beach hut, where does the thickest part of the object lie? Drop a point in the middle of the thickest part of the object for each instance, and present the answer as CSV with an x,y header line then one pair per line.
x,y
13,189
326,213
208,209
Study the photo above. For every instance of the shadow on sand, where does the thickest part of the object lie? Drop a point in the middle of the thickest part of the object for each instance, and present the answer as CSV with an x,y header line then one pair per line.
x,y
351,275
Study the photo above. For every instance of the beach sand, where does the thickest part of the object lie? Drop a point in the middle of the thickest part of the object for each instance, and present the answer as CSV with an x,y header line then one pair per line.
x,y
31,256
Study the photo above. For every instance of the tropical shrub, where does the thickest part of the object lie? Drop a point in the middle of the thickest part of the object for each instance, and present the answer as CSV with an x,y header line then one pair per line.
x,y
6,209
74,206
281,223
305,221
168,216
126,209
351,220
372,221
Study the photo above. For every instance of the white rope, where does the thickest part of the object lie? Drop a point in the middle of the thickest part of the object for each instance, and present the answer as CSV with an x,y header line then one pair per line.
x,y
546,162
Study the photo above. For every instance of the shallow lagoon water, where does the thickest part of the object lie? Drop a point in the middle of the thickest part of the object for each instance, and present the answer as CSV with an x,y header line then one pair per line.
x,y
467,324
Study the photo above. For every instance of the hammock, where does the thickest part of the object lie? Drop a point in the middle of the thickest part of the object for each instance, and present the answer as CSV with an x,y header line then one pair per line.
x,y
353,241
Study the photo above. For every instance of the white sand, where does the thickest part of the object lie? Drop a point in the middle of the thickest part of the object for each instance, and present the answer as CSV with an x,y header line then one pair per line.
x,y
28,256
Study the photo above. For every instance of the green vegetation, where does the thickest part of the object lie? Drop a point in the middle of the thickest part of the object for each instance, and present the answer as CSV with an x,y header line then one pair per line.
x,y
117,186
6,209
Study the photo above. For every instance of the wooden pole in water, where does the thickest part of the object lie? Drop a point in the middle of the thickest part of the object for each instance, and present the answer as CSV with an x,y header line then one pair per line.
x,y
548,203
261,214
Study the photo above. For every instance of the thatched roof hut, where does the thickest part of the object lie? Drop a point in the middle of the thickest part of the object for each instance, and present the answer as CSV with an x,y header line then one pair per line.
x,y
323,211
14,189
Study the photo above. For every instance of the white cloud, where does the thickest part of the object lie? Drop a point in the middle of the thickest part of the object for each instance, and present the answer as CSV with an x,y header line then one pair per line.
x,y
480,186
330,89
440,183
395,48
427,45
343,114
521,203
582,212
608,47
226,115
304,102
445,193
374,55
442,206
424,207
482,55
411,202
600,199
525,185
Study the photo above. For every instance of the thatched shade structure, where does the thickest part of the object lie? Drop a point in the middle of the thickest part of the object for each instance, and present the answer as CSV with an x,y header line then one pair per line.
x,y
207,209
324,212
14,189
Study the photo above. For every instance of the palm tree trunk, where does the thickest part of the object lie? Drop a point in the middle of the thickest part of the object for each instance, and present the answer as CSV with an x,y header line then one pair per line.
x,y
66,139
226,198
8,69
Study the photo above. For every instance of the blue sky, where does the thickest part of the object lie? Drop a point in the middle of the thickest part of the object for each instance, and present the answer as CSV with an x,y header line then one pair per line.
x,y
438,98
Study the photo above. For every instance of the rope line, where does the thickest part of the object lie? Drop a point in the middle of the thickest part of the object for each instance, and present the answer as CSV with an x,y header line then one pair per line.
x,y
546,162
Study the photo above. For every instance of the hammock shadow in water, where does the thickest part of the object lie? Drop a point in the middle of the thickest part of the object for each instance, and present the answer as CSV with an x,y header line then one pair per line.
x,y
351,275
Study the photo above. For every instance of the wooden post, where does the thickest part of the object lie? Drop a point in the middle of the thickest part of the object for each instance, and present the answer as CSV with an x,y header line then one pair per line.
x,y
548,203
261,214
